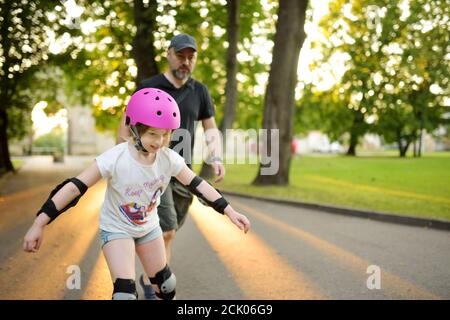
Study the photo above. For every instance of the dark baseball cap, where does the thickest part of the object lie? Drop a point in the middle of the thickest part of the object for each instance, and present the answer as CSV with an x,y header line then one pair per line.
x,y
182,41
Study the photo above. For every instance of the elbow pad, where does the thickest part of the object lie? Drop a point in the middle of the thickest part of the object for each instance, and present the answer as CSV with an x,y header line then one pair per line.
x,y
49,206
219,205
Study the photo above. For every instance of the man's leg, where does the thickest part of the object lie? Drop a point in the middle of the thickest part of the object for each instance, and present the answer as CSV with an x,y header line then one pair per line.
x,y
179,202
168,240
182,204
153,257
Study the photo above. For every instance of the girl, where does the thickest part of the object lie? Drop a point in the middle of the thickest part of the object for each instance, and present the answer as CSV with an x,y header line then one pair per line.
x,y
137,174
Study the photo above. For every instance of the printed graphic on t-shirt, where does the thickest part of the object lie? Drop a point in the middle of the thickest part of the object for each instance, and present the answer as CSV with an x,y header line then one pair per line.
x,y
154,200
134,212
137,213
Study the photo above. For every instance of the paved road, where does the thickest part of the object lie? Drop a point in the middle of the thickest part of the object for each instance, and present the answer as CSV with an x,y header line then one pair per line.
x,y
290,253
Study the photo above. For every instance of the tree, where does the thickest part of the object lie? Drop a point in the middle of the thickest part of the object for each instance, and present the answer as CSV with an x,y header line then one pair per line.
x,y
116,38
143,49
415,75
24,30
279,102
207,22
115,55
229,109
351,31
393,54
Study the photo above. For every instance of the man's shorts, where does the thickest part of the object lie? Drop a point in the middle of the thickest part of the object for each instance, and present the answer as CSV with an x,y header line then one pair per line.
x,y
174,206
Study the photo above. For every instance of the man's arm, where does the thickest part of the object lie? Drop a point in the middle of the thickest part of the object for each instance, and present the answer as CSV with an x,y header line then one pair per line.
x,y
214,141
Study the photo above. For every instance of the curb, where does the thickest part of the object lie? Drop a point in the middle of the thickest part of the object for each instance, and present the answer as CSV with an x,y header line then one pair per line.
x,y
379,216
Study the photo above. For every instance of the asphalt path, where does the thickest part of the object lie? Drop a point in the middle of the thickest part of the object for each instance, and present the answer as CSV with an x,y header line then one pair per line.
x,y
290,253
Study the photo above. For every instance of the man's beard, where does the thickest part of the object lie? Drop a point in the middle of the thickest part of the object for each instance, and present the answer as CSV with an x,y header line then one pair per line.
x,y
180,75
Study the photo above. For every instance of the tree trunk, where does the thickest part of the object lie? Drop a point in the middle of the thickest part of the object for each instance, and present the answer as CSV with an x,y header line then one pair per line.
x,y
229,111
351,151
29,146
356,131
143,49
5,161
231,65
279,102
414,142
419,151
402,148
6,87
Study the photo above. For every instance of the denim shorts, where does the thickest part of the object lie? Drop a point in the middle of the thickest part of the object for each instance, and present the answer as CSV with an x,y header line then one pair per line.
x,y
106,236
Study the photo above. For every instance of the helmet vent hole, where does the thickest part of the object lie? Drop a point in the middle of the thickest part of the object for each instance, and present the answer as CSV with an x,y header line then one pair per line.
x,y
159,113
174,114
169,99
157,98
146,92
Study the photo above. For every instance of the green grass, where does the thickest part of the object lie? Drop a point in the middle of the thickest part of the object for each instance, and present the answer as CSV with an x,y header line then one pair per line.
x,y
16,164
412,186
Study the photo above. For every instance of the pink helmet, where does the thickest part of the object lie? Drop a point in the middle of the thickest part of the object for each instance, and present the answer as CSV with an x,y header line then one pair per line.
x,y
154,108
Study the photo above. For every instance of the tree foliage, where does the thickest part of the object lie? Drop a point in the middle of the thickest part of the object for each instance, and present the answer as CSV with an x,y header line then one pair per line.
x,y
396,69
28,30
107,70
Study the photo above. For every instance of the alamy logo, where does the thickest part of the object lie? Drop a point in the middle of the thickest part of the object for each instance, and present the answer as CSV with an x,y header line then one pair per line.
x,y
74,280
374,280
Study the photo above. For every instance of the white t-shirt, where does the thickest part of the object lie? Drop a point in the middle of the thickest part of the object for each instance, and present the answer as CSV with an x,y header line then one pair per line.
x,y
134,189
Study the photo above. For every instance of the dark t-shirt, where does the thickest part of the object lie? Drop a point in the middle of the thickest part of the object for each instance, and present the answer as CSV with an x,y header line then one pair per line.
x,y
196,104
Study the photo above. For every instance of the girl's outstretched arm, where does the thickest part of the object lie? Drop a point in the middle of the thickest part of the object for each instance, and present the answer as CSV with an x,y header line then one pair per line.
x,y
61,199
89,176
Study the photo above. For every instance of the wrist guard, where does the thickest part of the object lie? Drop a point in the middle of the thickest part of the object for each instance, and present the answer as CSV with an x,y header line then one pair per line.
x,y
219,205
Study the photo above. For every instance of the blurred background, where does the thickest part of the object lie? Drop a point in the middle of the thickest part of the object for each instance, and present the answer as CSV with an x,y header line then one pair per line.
x,y
358,90
368,125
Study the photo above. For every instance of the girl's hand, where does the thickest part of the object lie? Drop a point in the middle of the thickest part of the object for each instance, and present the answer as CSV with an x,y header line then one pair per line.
x,y
33,239
35,234
238,219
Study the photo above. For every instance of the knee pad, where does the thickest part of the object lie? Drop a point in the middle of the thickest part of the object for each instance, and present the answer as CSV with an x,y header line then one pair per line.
x,y
166,282
124,289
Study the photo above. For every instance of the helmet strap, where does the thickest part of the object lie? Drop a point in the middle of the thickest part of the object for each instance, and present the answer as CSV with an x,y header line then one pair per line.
x,y
138,144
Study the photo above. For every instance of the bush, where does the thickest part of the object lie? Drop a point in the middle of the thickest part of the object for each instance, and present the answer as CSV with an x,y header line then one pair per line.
x,y
50,143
